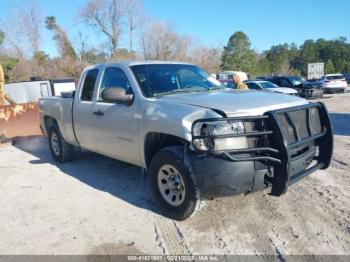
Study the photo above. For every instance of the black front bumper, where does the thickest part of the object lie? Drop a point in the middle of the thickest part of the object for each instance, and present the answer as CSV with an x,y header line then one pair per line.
x,y
311,93
287,145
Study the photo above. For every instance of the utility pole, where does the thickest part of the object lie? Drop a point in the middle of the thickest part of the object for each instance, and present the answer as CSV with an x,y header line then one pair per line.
x,y
2,82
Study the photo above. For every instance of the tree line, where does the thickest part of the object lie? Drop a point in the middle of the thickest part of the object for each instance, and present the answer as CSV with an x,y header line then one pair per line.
x,y
286,58
118,21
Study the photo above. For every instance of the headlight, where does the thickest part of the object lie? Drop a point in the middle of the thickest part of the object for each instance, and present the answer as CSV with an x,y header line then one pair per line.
x,y
214,135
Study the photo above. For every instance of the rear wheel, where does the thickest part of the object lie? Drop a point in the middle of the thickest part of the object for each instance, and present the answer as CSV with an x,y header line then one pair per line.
x,y
172,185
61,151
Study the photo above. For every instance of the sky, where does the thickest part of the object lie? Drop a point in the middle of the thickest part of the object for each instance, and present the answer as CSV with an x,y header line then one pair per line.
x,y
211,23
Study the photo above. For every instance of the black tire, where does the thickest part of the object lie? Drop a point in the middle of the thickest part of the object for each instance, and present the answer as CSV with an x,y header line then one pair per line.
x,y
64,151
174,156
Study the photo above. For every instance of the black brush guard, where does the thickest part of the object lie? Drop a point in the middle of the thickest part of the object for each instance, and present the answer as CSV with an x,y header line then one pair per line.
x,y
290,159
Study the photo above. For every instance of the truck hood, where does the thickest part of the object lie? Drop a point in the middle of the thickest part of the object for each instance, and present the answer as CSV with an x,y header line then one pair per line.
x,y
237,103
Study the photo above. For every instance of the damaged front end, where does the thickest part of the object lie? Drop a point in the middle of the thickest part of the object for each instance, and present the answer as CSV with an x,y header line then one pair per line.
x,y
276,149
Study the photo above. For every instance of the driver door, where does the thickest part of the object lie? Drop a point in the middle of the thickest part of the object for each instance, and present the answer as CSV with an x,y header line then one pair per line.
x,y
115,126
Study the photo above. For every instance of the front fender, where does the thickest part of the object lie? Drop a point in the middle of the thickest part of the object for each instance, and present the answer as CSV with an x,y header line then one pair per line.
x,y
170,119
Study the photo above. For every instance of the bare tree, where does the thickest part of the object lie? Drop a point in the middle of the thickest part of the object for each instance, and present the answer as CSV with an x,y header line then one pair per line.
x,y
134,10
22,28
207,58
161,41
14,41
82,44
106,16
23,33
31,20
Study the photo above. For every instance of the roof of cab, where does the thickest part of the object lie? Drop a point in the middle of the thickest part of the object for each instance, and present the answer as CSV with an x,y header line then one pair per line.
x,y
256,81
141,62
333,74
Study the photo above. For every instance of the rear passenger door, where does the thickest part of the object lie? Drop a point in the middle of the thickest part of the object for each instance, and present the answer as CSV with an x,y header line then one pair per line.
x,y
83,106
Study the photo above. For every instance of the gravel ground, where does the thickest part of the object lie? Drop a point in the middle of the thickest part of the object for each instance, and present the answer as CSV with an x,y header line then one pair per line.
x,y
97,205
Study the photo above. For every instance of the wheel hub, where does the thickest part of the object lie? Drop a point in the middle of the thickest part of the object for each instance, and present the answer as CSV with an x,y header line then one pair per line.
x,y
171,185
54,143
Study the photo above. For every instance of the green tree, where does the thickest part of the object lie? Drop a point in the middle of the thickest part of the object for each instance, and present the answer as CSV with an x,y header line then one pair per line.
x,y
69,60
8,63
65,47
2,37
279,57
41,58
329,67
93,56
238,55
264,66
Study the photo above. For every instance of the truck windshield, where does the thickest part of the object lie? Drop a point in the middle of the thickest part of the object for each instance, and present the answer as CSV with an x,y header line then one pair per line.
x,y
268,85
335,77
162,79
296,80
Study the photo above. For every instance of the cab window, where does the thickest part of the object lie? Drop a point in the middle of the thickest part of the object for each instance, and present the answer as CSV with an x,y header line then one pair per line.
x,y
284,83
114,77
252,85
87,92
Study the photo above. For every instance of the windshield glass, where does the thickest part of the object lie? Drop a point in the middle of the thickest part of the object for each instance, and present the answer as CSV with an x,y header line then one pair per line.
x,y
296,80
157,79
335,77
267,85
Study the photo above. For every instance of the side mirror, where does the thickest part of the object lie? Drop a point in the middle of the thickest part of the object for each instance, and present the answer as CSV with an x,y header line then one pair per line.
x,y
116,95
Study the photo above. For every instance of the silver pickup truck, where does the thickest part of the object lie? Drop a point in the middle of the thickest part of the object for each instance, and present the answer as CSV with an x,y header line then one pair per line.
x,y
195,138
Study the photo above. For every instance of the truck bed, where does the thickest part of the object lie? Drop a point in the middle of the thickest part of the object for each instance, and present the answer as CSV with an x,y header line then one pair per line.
x,y
59,109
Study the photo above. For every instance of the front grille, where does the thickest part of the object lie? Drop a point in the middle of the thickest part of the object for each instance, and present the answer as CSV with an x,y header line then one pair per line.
x,y
300,124
275,136
257,125
257,142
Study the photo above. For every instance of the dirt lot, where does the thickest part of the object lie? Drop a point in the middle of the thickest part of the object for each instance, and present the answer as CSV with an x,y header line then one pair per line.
x,y
96,205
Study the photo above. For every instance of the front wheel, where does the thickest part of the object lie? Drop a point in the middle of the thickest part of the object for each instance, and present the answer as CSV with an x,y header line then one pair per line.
x,y
172,184
61,151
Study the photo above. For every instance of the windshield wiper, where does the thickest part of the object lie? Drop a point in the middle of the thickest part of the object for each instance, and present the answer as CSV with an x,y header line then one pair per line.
x,y
184,90
216,88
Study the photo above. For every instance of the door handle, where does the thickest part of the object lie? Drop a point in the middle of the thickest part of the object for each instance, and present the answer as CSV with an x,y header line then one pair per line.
x,y
98,113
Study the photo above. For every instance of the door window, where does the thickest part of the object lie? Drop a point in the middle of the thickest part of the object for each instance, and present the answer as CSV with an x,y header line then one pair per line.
x,y
87,92
284,83
44,89
114,77
252,85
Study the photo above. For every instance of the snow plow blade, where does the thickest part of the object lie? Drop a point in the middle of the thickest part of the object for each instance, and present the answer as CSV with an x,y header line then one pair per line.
x,y
19,120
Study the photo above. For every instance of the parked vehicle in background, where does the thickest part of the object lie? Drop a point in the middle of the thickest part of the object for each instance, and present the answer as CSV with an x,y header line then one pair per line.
x,y
31,91
226,77
347,78
19,115
306,89
334,83
314,86
195,138
315,71
270,87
